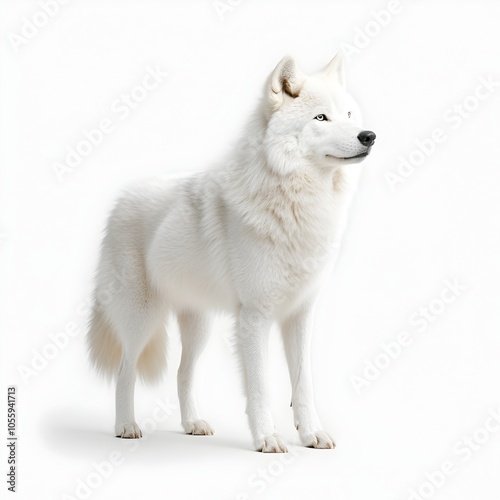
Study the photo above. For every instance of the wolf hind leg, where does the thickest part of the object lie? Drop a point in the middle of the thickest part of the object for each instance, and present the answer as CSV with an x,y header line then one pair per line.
x,y
142,334
126,426
195,329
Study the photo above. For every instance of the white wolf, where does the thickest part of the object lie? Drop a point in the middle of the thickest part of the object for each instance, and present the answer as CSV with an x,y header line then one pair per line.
x,y
253,238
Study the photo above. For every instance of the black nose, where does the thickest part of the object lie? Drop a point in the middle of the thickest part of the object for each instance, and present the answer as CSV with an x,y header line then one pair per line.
x,y
367,137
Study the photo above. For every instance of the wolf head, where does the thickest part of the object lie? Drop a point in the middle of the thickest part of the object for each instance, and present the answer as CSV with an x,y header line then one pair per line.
x,y
313,119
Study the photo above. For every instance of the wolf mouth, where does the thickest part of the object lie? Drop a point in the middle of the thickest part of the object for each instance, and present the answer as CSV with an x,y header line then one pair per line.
x,y
360,155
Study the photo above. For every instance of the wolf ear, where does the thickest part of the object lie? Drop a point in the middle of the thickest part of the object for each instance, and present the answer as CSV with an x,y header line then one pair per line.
x,y
286,79
335,69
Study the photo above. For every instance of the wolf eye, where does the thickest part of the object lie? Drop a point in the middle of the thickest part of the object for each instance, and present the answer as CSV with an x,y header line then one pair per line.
x,y
348,114
321,118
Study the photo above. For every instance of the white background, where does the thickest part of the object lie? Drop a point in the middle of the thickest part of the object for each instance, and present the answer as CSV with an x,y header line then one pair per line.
x,y
401,245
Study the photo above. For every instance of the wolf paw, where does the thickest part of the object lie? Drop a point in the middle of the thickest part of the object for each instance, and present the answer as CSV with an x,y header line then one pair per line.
x,y
128,431
317,439
198,428
272,444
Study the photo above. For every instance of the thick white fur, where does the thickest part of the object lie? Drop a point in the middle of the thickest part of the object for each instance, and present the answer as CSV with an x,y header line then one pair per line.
x,y
254,238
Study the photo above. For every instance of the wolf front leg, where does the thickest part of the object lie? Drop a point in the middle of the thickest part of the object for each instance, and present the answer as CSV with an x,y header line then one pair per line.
x,y
296,331
253,330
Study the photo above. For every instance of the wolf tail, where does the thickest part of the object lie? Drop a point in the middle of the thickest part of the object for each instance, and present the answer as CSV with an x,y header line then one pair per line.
x,y
106,350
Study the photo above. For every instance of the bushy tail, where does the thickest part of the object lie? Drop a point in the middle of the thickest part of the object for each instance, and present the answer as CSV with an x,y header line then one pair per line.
x,y
105,350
